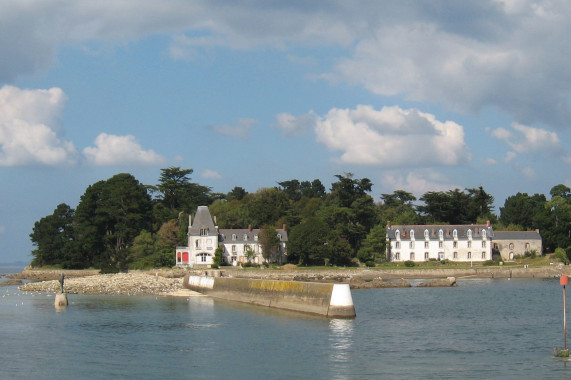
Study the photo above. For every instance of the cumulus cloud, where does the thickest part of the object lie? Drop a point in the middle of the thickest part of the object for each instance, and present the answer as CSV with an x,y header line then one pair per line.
x,y
111,150
295,125
241,129
524,139
29,130
418,183
392,137
511,55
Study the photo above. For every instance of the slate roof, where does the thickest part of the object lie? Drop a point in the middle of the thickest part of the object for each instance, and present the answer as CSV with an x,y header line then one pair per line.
x,y
225,235
202,219
517,235
433,231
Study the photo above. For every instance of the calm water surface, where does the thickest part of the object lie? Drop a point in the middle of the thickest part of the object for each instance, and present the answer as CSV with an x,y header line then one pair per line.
x,y
493,329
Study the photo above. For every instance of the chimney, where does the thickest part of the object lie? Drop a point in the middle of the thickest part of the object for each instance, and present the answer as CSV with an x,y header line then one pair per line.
x,y
285,227
488,224
249,228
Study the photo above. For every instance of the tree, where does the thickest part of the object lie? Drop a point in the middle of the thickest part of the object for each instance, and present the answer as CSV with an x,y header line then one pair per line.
x,y
51,234
108,218
218,258
306,244
237,193
269,242
173,183
373,247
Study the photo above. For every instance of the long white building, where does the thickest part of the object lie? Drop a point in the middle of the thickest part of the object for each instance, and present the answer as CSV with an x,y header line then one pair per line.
x,y
439,242
239,245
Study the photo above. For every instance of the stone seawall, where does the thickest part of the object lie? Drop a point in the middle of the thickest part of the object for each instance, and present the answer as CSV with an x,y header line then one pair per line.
x,y
327,299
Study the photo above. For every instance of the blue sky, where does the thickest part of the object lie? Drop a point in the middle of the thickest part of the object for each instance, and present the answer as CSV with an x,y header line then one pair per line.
x,y
420,95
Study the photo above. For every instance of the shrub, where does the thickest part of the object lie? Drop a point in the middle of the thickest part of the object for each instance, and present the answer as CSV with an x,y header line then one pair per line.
x,y
370,263
409,263
490,262
561,255
531,253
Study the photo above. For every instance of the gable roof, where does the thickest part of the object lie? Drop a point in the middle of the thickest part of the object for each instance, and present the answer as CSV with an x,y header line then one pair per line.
x,y
517,235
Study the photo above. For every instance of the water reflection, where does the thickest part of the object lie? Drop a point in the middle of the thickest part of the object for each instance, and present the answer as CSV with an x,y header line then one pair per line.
x,y
341,345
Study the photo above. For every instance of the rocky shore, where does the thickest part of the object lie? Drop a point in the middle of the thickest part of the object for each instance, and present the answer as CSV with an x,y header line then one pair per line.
x,y
120,283
169,281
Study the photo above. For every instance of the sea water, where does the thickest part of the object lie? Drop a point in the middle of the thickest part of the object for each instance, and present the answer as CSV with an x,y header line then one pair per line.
x,y
482,329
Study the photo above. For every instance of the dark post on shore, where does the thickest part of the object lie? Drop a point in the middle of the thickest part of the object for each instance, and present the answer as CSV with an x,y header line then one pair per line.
x,y
564,353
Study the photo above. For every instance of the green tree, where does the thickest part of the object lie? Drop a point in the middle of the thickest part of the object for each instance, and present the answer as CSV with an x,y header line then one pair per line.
x,y
50,235
307,242
218,257
269,242
373,247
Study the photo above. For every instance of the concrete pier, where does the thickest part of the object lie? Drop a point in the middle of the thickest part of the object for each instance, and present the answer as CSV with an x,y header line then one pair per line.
x,y
329,300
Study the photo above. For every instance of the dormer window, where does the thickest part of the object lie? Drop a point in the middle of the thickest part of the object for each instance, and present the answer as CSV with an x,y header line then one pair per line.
x,y
483,234
397,234
426,235
204,231
245,237
441,235
455,234
469,234
234,237
412,234
279,236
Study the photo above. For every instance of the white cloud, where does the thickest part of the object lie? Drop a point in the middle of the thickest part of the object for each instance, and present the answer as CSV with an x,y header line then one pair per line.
x,y
528,140
29,133
241,129
528,172
111,150
392,137
506,54
211,174
295,125
418,183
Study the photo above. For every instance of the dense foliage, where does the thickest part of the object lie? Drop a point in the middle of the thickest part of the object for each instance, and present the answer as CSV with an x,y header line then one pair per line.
x,y
120,223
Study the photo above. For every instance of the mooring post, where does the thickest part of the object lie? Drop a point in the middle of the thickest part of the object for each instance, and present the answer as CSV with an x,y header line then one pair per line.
x,y
564,280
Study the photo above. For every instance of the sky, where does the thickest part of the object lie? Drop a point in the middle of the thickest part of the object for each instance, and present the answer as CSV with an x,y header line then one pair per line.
x,y
414,95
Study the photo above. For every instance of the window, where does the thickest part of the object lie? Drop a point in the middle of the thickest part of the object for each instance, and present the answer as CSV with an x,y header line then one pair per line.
x,y
245,237
483,255
511,245
441,235
412,234
425,255
483,234
455,255
469,234
412,256
204,231
197,243
397,234
469,255
455,234
397,256
411,244
440,244
469,244
233,248
202,258
455,244
279,236
527,246
426,235
426,244
483,244
234,237
397,244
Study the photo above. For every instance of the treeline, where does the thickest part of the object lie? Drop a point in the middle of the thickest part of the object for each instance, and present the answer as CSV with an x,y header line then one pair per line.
x,y
120,223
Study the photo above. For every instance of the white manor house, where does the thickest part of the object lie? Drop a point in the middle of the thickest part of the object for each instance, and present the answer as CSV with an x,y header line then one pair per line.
x,y
204,237
440,242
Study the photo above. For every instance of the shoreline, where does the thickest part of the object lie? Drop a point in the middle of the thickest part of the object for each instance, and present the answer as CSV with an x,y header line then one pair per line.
x,y
168,282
